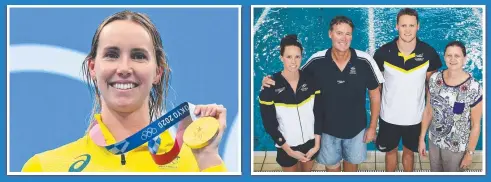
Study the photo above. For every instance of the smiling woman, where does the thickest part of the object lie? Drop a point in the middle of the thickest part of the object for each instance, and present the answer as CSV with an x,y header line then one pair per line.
x,y
290,108
453,116
128,71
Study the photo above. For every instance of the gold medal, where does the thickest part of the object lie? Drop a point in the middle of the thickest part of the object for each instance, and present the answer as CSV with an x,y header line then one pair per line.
x,y
200,132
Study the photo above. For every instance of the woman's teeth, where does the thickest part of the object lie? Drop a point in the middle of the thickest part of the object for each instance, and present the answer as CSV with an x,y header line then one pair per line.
x,y
124,86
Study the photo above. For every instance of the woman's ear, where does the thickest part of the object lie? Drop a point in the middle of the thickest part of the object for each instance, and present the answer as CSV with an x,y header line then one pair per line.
x,y
91,66
160,70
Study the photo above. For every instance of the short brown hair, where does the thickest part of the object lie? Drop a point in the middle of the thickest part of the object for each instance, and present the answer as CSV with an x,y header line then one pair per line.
x,y
408,11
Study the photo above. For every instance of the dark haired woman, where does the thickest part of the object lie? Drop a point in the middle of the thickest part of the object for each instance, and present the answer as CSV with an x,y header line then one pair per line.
x,y
290,109
454,115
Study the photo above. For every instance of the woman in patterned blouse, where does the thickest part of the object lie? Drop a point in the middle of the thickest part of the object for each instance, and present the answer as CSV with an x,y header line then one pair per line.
x,y
454,114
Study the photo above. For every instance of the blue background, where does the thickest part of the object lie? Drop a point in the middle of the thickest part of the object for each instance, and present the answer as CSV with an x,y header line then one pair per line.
x,y
246,94
202,51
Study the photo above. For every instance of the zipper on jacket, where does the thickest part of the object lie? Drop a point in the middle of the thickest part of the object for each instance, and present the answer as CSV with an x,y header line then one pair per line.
x,y
298,112
123,160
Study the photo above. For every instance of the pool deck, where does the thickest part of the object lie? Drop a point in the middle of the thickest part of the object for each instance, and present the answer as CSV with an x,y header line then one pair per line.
x,y
265,161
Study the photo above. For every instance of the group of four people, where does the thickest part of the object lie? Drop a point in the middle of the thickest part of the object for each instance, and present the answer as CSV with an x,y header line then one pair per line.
x,y
317,111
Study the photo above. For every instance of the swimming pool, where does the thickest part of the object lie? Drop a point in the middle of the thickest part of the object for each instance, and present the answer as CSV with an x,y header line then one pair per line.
x,y
373,28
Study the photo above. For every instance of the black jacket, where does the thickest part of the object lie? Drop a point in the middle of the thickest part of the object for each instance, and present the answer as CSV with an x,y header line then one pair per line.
x,y
291,117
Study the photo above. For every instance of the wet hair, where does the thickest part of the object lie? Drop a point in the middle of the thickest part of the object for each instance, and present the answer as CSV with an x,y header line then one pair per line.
x,y
457,44
159,90
289,40
341,19
408,11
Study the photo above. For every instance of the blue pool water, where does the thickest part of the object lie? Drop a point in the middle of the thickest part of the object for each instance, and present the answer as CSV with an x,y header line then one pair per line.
x,y
373,28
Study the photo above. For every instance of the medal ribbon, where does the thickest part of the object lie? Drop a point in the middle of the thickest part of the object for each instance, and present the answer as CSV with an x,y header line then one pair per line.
x,y
151,134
